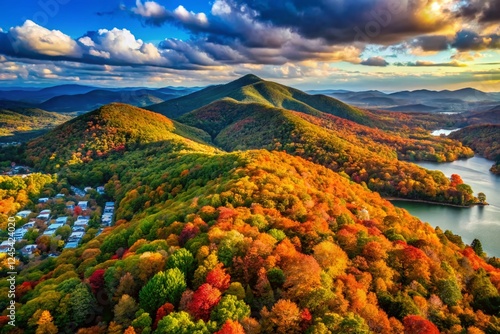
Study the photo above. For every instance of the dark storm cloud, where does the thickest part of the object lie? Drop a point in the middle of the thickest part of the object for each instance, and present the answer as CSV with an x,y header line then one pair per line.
x,y
432,43
469,40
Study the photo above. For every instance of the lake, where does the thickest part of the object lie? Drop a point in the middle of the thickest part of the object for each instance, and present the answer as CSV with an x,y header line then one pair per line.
x,y
478,222
443,132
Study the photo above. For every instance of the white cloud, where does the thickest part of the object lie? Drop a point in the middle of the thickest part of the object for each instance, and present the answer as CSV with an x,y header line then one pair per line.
x,y
199,19
34,38
149,9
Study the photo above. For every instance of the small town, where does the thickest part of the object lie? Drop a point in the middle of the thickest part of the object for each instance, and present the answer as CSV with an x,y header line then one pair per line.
x,y
60,222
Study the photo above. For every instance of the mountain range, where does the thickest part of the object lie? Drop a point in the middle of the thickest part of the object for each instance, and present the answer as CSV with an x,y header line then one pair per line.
x,y
446,101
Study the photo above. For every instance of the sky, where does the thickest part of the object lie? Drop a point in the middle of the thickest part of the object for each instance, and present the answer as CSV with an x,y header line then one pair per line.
x,y
387,45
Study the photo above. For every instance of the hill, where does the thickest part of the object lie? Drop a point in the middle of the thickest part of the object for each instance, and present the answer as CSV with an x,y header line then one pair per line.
x,y
251,88
365,154
18,121
112,128
490,116
483,139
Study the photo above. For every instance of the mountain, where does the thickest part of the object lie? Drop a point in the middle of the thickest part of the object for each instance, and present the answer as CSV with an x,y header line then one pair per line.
x,y
97,98
18,121
458,101
41,95
112,128
251,88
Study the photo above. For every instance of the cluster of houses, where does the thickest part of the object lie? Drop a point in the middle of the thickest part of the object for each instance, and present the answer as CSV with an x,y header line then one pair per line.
x,y
78,228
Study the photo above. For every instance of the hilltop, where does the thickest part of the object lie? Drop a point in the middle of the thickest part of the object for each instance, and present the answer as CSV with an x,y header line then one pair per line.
x,y
112,128
251,88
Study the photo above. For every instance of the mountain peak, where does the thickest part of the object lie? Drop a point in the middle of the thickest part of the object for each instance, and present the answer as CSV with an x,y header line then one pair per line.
x,y
248,79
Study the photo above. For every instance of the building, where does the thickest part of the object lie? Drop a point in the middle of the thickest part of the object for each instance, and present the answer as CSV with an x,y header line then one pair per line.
x,y
83,205
23,214
43,200
28,250
51,230
62,220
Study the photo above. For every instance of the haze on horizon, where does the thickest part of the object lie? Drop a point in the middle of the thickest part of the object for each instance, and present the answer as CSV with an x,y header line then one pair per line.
x,y
358,45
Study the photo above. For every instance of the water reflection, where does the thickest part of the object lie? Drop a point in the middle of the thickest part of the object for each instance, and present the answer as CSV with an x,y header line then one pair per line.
x,y
477,222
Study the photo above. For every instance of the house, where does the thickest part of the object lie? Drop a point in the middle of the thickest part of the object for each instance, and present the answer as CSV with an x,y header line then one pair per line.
x,y
51,230
23,214
100,190
87,189
81,222
43,200
43,212
109,210
19,233
43,216
71,244
83,205
5,246
76,236
78,229
109,205
60,196
62,220
28,249
29,225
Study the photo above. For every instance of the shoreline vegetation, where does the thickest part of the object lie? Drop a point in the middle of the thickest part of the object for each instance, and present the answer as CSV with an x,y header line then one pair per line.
x,y
435,203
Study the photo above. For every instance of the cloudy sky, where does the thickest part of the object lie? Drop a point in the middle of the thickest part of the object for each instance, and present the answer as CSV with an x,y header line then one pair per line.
x,y
350,44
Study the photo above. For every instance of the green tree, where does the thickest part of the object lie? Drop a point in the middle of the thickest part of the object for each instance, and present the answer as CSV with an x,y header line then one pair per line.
x,y
449,291
64,232
184,261
477,247
125,310
481,197
182,323
165,286
82,303
229,307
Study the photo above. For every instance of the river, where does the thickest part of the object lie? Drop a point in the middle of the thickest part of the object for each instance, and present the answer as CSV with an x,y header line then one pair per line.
x,y
478,222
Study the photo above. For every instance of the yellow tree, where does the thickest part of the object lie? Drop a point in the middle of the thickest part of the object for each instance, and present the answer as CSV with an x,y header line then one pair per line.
x,y
45,324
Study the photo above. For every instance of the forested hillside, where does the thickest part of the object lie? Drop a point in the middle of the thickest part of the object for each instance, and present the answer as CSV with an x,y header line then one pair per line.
x,y
484,139
367,155
255,242
15,119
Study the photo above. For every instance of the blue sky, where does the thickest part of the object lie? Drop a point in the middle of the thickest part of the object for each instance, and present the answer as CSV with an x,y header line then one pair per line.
x,y
351,44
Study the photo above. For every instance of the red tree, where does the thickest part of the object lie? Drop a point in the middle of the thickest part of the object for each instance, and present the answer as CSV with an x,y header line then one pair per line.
x,y
455,180
415,324
163,311
218,278
96,280
204,300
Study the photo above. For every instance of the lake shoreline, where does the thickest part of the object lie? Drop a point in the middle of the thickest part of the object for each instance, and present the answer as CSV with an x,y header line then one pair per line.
x,y
434,203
